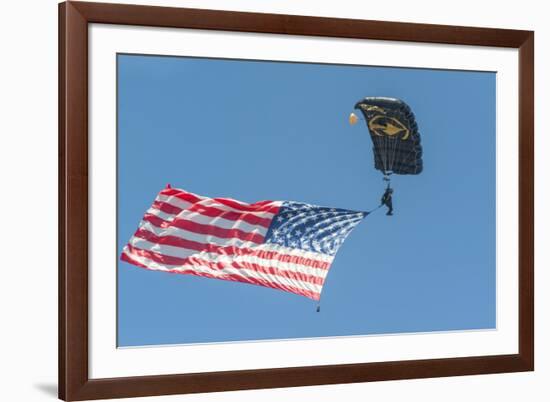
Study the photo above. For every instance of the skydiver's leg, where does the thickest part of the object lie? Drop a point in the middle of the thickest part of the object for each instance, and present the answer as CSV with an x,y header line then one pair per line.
x,y
389,204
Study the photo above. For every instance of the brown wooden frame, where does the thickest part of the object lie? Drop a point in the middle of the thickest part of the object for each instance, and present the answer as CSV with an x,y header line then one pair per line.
x,y
74,382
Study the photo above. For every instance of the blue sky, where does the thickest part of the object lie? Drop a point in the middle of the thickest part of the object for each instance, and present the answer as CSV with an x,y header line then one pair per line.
x,y
255,130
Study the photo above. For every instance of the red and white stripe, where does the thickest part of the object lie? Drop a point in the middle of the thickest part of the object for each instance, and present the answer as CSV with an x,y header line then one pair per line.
x,y
222,238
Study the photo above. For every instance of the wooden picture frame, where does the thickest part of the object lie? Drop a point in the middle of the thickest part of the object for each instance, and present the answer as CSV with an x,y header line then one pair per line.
x,y
74,381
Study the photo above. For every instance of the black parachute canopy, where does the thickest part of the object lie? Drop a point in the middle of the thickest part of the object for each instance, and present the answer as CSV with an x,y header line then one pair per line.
x,y
394,134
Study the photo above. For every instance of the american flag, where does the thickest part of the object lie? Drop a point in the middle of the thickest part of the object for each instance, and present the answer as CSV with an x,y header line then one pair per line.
x,y
283,245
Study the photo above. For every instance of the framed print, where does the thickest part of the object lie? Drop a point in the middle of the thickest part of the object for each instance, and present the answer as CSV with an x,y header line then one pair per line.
x,y
258,201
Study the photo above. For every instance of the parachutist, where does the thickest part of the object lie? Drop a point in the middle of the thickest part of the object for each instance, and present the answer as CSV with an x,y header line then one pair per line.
x,y
395,139
387,200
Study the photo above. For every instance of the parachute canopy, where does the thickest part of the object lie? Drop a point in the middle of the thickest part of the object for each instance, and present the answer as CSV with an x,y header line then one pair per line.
x,y
394,134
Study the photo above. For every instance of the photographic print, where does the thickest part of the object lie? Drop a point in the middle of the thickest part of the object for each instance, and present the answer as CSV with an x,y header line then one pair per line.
x,y
251,200
265,200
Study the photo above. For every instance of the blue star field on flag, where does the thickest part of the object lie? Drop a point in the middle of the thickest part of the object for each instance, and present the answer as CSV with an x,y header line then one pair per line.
x,y
312,228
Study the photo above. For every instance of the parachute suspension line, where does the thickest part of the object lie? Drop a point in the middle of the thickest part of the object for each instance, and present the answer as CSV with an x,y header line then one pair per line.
x,y
387,154
388,151
391,149
394,152
380,145
407,158
380,153
401,162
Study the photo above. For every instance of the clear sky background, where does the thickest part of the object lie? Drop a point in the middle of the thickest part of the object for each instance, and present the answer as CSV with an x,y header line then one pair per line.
x,y
264,130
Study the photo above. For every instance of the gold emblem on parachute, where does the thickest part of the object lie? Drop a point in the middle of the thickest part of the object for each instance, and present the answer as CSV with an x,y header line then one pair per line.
x,y
372,108
388,126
